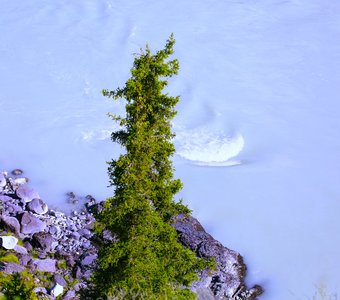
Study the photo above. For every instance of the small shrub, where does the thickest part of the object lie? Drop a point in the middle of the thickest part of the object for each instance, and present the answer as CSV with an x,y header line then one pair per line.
x,y
9,258
17,286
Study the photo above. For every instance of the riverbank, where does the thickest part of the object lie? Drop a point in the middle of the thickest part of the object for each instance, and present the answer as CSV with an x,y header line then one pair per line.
x,y
60,249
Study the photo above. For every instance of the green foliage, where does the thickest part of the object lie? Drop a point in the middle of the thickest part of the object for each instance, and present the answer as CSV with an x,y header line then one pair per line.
x,y
61,264
9,258
147,261
17,286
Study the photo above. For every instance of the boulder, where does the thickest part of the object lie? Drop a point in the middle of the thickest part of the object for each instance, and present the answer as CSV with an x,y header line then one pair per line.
x,y
37,206
8,242
10,268
10,223
31,224
24,259
43,240
17,172
20,249
88,260
28,245
59,279
85,233
13,208
57,290
70,295
55,231
27,194
227,281
45,265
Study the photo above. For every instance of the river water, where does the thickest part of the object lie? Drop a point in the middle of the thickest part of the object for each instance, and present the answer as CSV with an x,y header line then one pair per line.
x,y
257,127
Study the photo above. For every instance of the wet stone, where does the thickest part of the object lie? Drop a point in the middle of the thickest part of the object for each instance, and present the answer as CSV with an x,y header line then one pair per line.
x,y
38,206
17,172
27,194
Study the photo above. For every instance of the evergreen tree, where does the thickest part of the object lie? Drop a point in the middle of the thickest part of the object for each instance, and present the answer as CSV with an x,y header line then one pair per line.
x,y
147,261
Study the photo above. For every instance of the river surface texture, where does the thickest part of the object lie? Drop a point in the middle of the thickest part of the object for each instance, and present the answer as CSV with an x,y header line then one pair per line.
x,y
258,143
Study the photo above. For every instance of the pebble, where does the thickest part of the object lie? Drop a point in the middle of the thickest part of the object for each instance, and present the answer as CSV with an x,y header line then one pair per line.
x,y
17,172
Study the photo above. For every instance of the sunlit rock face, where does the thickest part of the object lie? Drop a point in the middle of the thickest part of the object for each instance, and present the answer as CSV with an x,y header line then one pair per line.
x,y
227,281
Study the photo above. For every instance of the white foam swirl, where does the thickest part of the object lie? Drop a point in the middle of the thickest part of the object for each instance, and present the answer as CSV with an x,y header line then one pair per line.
x,y
206,148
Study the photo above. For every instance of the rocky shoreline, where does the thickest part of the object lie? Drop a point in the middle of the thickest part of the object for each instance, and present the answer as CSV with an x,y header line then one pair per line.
x,y
61,248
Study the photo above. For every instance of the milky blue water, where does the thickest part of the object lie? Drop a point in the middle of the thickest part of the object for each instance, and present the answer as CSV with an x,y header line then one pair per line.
x,y
257,126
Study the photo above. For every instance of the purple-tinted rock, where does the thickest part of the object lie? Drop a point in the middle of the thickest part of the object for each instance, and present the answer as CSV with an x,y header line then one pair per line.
x,y
13,208
70,295
55,230
85,233
25,259
28,246
10,268
75,235
43,240
11,223
228,278
59,279
20,249
78,273
37,206
45,265
27,194
5,198
31,224
17,172
78,286
88,260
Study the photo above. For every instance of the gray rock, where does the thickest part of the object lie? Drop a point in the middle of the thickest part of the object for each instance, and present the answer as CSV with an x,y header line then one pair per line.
x,y
86,244
8,242
88,260
78,273
55,231
70,295
13,208
41,291
85,233
59,279
228,278
78,286
10,268
75,235
27,194
11,223
24,259
28,246
57,290
57,214
20,181
38,206
20,249
31,224
87,274
204,294
5,198
43,240
17,172
45,265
